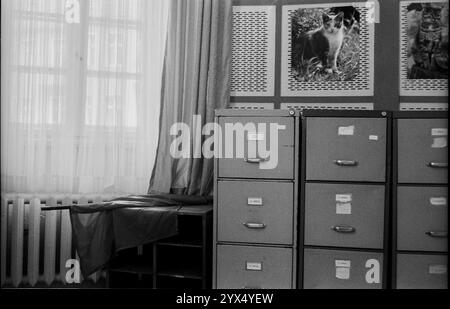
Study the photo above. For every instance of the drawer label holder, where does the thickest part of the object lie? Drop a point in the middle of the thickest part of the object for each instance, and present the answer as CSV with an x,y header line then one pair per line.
x,y
253,266
254,201
255,136
344,198
439,132
437,269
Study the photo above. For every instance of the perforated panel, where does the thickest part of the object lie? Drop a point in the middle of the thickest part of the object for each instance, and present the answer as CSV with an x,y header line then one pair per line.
x,y
425,106
334,106
416,87
359,85
253,51
251,106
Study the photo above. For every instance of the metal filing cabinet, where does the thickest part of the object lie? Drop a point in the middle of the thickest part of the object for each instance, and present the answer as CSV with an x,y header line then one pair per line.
x,y
248,167
250,267
346,149
344,199
420,200
363,215
255,201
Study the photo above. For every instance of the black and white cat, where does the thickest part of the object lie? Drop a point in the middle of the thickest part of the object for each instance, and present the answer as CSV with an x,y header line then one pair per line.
x,y
325,42
351,17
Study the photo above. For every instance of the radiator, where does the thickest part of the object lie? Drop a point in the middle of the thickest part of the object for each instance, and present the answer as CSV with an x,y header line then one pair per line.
x,y
35,244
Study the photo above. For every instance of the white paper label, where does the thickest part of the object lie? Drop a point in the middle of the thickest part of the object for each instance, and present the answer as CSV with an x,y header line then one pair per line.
x,y
439,142
344,198
438,201
343,208
255,201
253,136
281,127
342,263
439,132
373,137
350,130
343,273
342,269
437,269
253,266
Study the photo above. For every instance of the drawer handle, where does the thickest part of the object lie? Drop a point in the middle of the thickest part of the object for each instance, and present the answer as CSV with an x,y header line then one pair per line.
x,y
438,164
253,225
251,287
437,234
346,162
255,160
343,229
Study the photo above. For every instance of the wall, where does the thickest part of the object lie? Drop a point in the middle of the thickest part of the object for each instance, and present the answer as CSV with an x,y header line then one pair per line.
x,y
386,65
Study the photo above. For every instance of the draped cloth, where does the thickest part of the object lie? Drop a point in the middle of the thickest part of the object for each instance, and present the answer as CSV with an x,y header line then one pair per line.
x,y
195,82
100,230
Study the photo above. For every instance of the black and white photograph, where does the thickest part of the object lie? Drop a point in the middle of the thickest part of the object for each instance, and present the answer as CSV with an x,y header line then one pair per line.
x,y
325,44
423,64
328,49
427,40
223,152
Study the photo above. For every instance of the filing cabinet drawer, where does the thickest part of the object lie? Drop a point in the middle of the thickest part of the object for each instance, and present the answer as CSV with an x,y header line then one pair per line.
x,y
278,166
422,218
422,151
346,149
344,215
254,267
334,269
417,271
256,212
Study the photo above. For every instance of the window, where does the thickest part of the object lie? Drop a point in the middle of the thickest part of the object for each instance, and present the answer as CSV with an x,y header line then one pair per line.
x,y
111,41
80,101
114,43
37,68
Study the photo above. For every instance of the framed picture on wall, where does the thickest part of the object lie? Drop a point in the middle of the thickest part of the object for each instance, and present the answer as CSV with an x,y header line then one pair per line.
x,y
327,50
424,48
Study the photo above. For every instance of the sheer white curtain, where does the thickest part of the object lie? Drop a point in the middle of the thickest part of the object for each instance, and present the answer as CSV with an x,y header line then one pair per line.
x,y
80,101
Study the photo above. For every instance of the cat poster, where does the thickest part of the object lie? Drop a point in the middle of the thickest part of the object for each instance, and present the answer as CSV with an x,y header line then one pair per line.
x,y
325,43
424,48
427,32
327,50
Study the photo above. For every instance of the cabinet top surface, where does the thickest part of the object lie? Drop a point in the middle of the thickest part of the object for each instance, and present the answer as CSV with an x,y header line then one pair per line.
x,y
298,113
230,112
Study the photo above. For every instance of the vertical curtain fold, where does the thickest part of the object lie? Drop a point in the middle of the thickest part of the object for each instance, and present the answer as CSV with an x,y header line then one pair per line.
x,y
196,82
